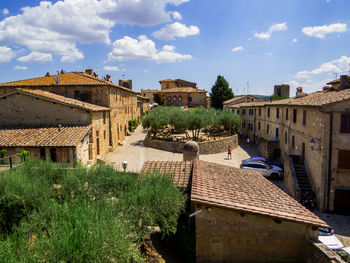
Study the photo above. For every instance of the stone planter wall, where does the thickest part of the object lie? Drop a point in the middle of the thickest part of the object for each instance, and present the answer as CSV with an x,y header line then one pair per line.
x,y
209,147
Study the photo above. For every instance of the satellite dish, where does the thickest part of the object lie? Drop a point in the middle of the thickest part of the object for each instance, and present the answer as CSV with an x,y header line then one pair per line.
x,y
57,80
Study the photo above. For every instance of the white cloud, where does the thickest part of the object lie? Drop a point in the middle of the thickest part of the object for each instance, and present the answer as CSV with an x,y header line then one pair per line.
x,y
5,11
36,57
176,15
6,54
56,28
268,54
111,68
171,31
315,79
20,67
295,40
322,31
273,28
237,49
143,48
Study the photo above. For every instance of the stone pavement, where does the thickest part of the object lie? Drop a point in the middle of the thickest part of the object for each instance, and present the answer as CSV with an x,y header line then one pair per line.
x,y
135,153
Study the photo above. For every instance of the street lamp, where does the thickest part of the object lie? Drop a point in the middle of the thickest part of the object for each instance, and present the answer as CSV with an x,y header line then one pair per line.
x,y
125,165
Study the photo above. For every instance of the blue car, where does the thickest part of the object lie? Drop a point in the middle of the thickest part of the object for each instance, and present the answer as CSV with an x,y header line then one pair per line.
x,y
252,159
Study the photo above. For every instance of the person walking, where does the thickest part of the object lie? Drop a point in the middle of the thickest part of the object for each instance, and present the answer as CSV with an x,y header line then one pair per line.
x,y
248,140
229,153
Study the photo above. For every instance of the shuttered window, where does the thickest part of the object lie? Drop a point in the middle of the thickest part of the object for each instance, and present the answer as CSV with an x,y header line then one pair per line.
x,y
344,159
345,123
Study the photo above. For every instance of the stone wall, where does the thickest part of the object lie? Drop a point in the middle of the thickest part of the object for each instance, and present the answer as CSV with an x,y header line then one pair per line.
x,y
320,253
210,147
224,235
290,178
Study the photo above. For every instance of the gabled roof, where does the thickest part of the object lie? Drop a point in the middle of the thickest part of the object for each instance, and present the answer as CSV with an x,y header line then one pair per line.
x,y
180,170
66,136
315,99
239,98
150,90
234,188
66,79
56,98
184,90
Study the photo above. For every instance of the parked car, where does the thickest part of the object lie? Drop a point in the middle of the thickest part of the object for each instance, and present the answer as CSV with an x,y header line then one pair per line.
x,y
264,160
327,237
267,170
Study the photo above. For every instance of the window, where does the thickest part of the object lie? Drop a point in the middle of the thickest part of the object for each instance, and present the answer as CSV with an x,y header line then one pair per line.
x,y
287,114
251,111
276,133
53,155
104,134
243,125
345,123
267,129
238,111
343,159
304,117
77,94
268,112
174,98
278,113
243,112
104,118
294,115
293,142
42,154
180,98
190,98
259,125
285,137
167,86
259,111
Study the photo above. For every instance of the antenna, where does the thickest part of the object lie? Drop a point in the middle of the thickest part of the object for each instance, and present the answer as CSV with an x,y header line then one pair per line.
x,y
247,87
336,75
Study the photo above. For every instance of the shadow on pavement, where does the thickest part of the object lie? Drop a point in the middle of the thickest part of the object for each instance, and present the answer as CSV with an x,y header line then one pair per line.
x,y
251,148
137,143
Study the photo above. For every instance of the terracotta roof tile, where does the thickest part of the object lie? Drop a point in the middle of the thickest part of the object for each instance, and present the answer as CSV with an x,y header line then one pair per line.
x,y
58,98
184,89
43,137
238,98
66,79
150,90
180,170
234,188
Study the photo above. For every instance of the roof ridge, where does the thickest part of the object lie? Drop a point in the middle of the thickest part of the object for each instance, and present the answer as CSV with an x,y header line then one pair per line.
x,y
58,98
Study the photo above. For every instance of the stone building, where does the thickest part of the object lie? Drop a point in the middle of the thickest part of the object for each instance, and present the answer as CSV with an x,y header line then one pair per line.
x,y
149,93
238,99
240,216
49,123
179,92
83,88
281,90
311,135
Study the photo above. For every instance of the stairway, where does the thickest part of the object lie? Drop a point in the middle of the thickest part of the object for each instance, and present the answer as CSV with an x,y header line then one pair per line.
x,y
303,180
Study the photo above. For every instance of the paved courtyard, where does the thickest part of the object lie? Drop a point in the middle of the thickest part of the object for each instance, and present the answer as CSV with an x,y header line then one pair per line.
x,y
135,153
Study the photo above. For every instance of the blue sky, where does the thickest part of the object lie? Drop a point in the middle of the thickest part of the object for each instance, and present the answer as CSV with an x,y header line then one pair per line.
x,y
254,44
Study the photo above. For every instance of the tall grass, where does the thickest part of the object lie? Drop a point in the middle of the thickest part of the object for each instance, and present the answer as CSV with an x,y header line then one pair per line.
x,y
79,215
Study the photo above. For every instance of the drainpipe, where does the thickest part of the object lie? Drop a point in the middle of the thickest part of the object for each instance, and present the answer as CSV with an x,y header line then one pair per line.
x,y
330,160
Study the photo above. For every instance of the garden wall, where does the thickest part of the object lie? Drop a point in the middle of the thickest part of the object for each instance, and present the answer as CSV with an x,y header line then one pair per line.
x,y
210,147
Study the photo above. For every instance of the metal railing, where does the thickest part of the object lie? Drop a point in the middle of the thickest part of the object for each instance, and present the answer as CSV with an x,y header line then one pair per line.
x,y
10,162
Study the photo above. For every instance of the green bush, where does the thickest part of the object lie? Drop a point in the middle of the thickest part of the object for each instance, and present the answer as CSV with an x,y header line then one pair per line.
x,y
56,214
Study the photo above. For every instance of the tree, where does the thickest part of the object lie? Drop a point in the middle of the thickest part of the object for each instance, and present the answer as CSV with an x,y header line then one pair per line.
x,y
159,98
220,92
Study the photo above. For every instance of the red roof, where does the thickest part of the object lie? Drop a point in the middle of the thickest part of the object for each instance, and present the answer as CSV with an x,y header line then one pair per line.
x,y
233,188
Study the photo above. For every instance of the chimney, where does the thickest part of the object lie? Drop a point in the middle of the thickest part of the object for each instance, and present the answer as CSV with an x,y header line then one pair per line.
x,y
190,151
108,77
47,74
59,127
344,82
300,92
89,71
